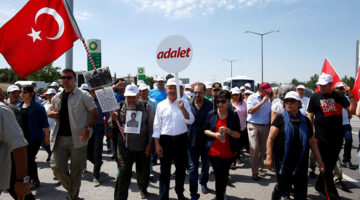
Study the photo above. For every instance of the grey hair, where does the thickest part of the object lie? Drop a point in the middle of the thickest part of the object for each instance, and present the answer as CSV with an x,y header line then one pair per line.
x,y
283,89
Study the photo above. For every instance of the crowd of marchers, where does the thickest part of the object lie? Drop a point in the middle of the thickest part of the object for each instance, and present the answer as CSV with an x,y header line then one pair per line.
x,y
279,129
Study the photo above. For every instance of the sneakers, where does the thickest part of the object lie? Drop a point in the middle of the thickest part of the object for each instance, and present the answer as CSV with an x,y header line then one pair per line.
x,y
261,173
143,194
96,182
341,185
204,189
152,177
348,164
312,175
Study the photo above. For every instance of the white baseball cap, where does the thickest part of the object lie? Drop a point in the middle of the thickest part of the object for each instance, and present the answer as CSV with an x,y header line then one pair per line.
x,y
247,92
172,81
50,91
84,86
248,85
235,90
292,95
144,87
339,84
54,84
324,79
226,88
300,87
208,85
140,82
242,88
13,88
131,90
188,86
160,78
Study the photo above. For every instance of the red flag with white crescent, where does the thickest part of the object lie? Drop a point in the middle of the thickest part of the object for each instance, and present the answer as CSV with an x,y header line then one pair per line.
x,y
36,36
328,69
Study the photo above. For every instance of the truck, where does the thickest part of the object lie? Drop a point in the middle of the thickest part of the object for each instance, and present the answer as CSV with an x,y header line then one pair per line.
x,y
239,81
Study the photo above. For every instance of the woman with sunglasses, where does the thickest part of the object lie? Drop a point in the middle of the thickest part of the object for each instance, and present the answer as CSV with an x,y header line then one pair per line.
x,y
239,106
222,126
290,136
35,126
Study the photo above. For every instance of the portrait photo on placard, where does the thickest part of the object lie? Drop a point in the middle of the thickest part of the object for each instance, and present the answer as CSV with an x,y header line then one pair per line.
x,y
133,121
98,78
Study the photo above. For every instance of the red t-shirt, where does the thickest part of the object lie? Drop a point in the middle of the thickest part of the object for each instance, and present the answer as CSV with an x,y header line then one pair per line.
x,y
218,149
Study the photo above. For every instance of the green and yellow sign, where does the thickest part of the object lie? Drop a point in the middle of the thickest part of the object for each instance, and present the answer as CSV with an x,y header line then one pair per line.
x,y
95,53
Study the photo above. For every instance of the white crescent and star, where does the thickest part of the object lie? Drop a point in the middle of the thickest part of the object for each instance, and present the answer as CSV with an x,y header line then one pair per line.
x,y
36,34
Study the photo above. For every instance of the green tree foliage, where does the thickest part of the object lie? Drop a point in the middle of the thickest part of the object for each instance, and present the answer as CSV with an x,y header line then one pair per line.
x,y
350,81
169,76
150,81
8,76
47,74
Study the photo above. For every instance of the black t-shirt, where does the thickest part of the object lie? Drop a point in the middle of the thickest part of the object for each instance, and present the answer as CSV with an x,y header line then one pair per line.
x,y
327,109
64,129
295,146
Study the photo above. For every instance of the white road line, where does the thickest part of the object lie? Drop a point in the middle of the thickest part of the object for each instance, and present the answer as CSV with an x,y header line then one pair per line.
x,y
353,181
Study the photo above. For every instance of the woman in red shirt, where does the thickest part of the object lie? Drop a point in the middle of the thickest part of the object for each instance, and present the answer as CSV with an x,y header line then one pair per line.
x,y
222,127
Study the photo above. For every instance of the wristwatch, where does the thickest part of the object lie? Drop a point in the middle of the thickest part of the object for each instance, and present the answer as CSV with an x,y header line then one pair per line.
x,y
25,179
88,128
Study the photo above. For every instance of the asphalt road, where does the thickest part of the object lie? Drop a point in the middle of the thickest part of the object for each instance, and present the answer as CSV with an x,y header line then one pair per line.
x,y
241,187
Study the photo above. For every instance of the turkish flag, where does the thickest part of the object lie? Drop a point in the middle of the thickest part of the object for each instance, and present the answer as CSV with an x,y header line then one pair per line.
x,y
36,36
356,86
328,69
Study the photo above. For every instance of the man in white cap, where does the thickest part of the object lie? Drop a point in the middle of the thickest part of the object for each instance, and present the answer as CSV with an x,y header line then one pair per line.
x,y
171,122
325,113
300,89
13,92
208,91
133,147
242,89
159,94
247,86
188,91
144,96
55,85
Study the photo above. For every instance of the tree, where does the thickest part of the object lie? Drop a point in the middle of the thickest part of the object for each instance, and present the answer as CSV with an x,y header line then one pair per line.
x,y
350,81
47,74
150,81
169,76
8,76
312,82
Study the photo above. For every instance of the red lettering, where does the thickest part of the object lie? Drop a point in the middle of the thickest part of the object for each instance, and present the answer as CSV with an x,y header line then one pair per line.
x,y
178,52
187,52
174,54
167,54
182,54
160,55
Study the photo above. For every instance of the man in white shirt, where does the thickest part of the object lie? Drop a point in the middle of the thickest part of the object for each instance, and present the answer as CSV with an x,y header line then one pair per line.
x,y
171,122
300,89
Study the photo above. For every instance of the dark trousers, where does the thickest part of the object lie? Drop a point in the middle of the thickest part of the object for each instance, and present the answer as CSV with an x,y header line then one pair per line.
x,y
221,168
286,180
33,149
194,156
329,153
348,143
244,140
12,182
126,159
174,149
95,149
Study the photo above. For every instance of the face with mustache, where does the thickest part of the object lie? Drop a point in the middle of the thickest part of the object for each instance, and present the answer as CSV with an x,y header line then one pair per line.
x,y
171,92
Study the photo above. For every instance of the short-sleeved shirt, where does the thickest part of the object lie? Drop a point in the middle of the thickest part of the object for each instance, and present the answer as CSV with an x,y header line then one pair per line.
x,y
11,137
327,109
241,111
295,146
304,105
277,106
158,95
261,116
218,149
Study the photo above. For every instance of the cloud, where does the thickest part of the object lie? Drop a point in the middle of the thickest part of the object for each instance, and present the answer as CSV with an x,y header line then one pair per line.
x,y
190,8
82,15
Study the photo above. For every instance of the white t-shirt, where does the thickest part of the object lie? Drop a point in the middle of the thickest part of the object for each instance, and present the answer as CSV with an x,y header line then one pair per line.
x,y
277,106
304,102
51,121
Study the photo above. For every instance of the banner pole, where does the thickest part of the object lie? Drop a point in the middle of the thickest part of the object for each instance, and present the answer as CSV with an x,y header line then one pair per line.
x,y
177,85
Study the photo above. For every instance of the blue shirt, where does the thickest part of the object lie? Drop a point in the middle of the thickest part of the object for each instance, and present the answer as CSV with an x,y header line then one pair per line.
x,y
261,116
37,121
158,95
119,97
152,103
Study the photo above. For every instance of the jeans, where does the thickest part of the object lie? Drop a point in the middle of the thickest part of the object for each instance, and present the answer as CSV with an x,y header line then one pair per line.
x,y
194,155
348,143
33,149
95,149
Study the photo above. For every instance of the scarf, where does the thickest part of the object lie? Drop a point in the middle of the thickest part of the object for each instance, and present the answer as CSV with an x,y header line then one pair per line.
x,y
289,136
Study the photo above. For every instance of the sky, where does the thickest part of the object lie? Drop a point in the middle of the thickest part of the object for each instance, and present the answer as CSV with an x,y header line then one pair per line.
x,y
130,31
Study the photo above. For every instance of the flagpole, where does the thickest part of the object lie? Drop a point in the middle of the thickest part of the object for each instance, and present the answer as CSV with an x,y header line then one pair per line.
x,y
69,53
77,30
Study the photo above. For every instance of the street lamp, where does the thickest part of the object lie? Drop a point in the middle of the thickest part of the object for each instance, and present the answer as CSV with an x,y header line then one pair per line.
x,y
262,58
231,61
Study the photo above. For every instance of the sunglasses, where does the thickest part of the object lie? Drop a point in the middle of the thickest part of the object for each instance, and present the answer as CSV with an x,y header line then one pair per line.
x,y
199,93
340,88
235,95
220,101
247,94
24,92
66,77
289,101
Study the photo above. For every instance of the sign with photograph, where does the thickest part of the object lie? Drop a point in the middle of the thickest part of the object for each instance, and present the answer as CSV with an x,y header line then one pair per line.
x,y
107,100
133,121
98,78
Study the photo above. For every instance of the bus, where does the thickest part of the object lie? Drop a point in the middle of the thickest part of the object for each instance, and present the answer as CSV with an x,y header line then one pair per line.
x,y
239,81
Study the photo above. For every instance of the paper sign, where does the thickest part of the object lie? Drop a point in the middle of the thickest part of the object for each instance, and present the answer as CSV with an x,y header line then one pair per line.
x,y
106,99
174,53
98,78
133,121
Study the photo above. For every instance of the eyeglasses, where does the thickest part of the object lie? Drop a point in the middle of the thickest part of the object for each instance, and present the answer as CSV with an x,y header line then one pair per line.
x,y
199,93
235,94
66,77
289,101
340,88
220,101
247,94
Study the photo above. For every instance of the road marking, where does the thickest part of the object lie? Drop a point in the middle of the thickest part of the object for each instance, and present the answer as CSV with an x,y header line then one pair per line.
x,y
353,181
355,133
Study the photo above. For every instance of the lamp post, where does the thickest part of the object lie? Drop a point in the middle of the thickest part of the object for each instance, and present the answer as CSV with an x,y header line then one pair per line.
x,y
231,62
262,58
